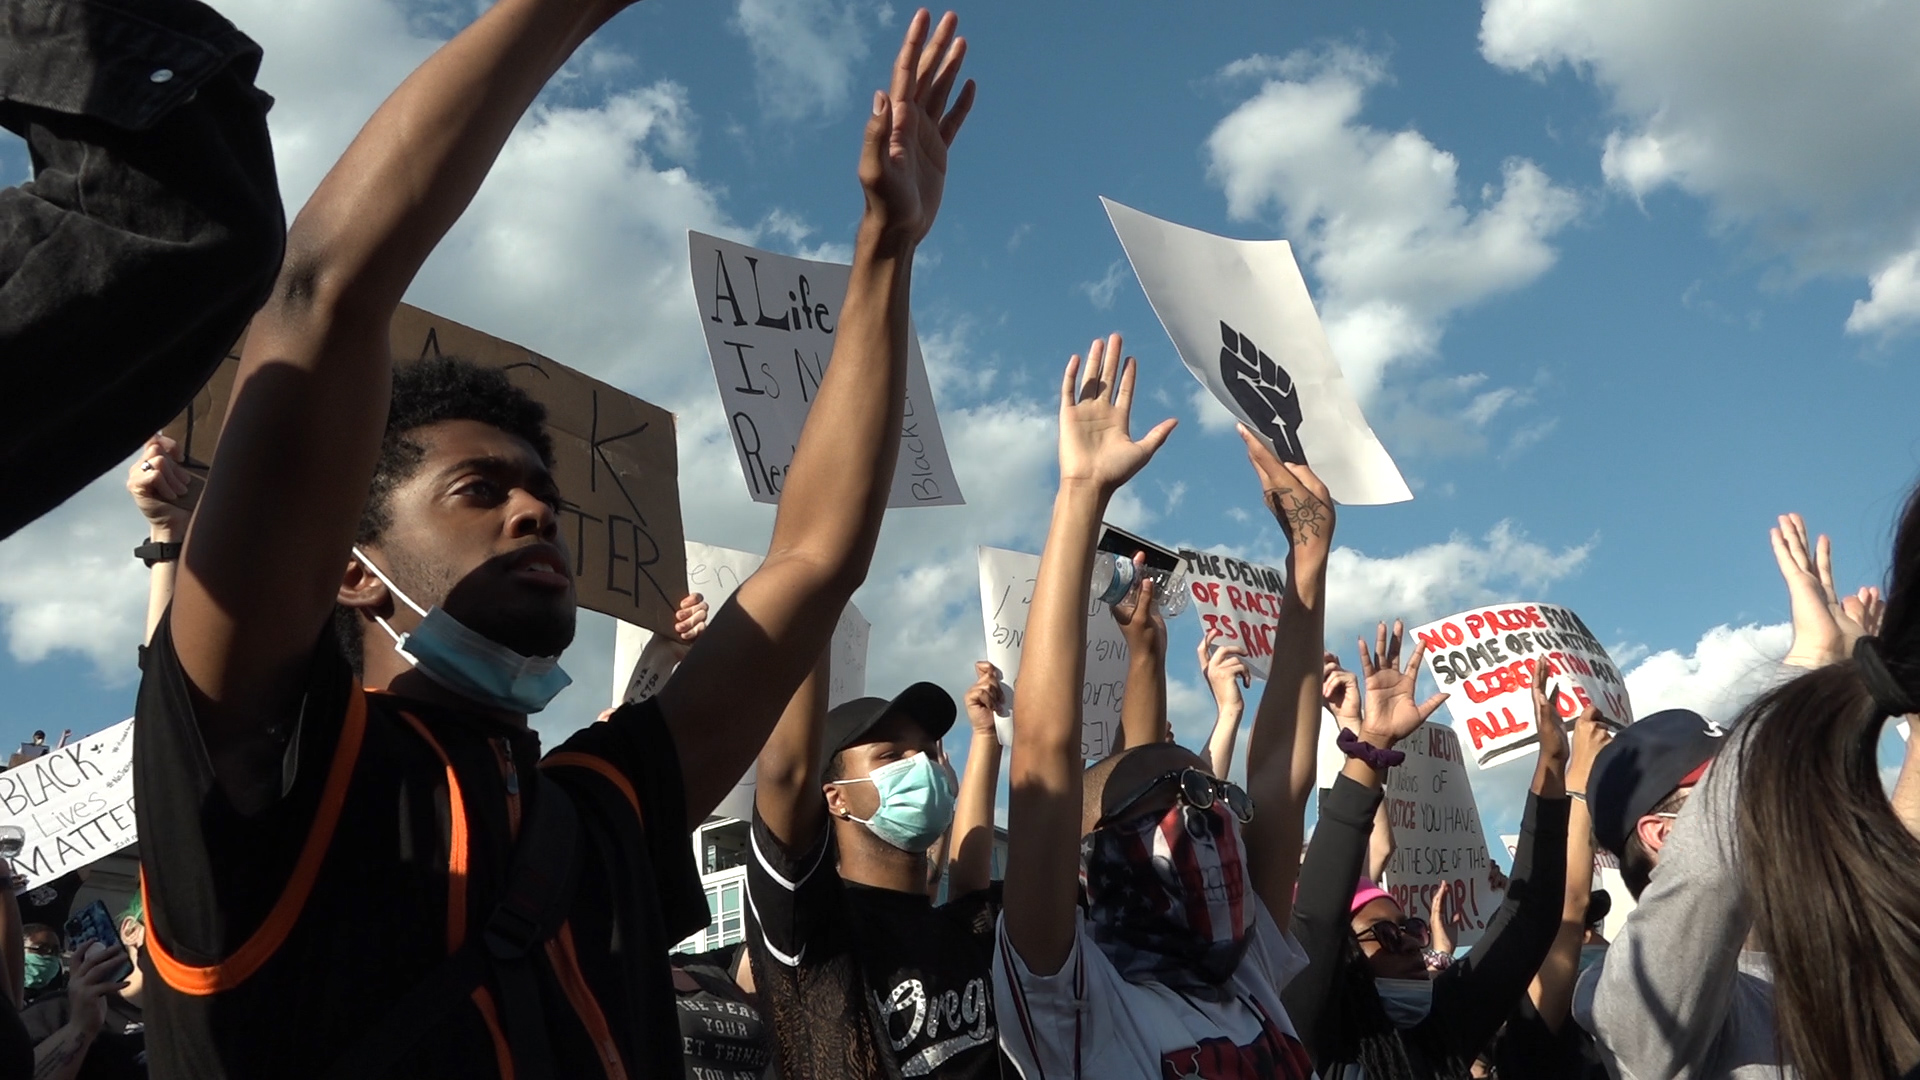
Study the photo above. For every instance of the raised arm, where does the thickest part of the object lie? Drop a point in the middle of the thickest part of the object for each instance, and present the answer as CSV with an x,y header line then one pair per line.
x,y
786,787
1097,456
1281,752
157,481
1552,988
1143,711
1225,669
780,619
972,833
270,539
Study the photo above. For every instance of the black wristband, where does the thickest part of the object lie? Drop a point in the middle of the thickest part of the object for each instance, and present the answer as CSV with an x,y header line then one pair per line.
x,y
153,551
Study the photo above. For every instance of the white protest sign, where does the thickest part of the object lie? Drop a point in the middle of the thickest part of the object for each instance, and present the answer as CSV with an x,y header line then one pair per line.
x,y
770,322
1006,595
1606,875
75,804
1239,314
1240,599
1437,835
1485,657
642,660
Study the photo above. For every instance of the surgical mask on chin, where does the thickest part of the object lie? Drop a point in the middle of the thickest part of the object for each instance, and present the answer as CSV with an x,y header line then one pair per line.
x,y
41,970
916,802
1407,1001
468,662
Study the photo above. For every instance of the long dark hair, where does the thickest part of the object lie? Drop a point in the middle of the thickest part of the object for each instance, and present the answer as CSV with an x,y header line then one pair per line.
x,y
1833,874
1355,1028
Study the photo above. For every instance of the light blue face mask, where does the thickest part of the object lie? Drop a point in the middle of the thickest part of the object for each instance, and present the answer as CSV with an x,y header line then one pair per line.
x,y
1407,1001
41,970
916,802
469,663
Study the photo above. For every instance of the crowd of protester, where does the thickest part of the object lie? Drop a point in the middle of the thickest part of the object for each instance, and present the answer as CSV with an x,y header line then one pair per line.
x,y
357,859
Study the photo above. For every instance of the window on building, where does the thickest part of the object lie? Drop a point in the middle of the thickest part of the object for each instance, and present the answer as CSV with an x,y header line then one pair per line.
x,y
724,847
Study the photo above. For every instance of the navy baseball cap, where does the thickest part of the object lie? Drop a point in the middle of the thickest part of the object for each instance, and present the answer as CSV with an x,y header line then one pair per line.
x,y
929,706
1645,763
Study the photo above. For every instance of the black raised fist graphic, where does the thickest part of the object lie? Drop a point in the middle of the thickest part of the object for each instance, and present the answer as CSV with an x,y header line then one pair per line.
x,y
1265,391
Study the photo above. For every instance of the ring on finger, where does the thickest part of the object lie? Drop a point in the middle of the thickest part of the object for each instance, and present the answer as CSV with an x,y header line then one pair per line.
x,y
146,466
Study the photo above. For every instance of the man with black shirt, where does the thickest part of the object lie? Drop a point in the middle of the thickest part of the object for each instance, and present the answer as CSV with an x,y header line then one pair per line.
x,y
862,975
353,864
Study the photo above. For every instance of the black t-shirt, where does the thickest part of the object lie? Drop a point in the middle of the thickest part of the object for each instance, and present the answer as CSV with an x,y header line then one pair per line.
x,y
118,1052
387,850
722,1032
16,1046
869,982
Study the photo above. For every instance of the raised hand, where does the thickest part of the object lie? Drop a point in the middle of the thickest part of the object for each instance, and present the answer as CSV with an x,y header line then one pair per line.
x,y
1391,713
1296,498
1591,734
1096,400
1225,668
985,698
1340,692
157,481
903,163
689,621
1138,616
1438,922
1824,626
1550,773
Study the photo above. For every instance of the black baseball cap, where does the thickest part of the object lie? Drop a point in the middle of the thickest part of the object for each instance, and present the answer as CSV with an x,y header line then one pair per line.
x,y
929,706
1646,762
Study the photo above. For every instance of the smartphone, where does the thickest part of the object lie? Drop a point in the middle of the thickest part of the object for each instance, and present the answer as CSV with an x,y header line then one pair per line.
x,y
92,923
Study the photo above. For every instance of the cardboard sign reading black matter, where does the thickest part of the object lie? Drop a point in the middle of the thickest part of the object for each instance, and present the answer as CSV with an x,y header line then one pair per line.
x,y
614,458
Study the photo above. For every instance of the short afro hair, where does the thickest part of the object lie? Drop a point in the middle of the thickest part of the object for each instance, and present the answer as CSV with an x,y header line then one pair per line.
x,y
427,392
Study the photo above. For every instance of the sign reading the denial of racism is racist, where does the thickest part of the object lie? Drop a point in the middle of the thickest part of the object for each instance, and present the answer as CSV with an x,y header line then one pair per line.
x,y
1488,659
614,458
1239,599
771,321
1239,315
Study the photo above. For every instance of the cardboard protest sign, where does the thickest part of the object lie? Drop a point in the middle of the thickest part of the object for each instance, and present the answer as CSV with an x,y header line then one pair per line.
x,y
1006,595
643,660
1240,599
75,804
614,457
1486,658
1239,314
1437,834
770,322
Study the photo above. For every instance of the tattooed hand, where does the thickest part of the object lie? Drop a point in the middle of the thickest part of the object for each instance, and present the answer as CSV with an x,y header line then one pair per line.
x,y
1296,498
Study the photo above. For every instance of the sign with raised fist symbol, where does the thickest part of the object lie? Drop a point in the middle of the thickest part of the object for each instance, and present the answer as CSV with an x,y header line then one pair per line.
x,y
1265,391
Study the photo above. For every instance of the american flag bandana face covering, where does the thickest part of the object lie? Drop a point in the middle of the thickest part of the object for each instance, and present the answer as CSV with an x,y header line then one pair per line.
x,y
1167,898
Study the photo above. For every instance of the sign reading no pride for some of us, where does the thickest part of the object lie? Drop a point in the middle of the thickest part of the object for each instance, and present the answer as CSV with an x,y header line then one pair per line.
x,y
771,322
74,803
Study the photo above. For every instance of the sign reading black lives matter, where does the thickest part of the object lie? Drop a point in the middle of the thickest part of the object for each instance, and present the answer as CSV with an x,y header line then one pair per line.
x,y
75,804
614,457
1239,314
770,322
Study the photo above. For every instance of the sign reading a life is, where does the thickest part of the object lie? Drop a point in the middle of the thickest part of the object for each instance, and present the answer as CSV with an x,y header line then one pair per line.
x,y
615,460
770,322
1239,599
75,804
1239,314
1488,659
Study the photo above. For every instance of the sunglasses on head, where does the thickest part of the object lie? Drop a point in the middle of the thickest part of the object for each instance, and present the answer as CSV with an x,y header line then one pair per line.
x,y
1197,790
1407,935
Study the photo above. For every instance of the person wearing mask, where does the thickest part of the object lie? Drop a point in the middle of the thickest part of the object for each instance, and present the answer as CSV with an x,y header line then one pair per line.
x,y
149,234
1369,1004
862,974
290,779
45,974
97,1029
1175,963
1690,985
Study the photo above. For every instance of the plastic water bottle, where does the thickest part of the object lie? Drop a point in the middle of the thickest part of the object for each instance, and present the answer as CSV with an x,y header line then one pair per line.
x,y
1114,577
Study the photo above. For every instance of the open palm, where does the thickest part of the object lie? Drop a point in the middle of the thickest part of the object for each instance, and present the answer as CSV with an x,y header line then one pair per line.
x,y
1096,400
1391,712
903,165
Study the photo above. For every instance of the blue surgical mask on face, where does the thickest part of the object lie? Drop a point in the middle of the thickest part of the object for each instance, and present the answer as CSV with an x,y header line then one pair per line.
x,y
468,662
916,802
1407,1001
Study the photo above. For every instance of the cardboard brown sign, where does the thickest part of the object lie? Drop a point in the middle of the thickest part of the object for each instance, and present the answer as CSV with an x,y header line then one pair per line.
x,y
614,457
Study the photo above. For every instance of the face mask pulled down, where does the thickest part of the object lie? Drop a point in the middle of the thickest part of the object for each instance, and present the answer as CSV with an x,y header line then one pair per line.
x,y
916,802
468,662
1168,900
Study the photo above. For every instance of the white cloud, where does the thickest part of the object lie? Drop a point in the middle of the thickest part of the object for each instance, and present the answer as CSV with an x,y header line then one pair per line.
x,y
806,51
69,582
1728,668
1794,122
1439,579
1377,217
1101,293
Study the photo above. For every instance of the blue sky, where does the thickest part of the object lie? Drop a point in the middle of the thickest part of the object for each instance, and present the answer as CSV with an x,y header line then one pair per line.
x,y
1618,286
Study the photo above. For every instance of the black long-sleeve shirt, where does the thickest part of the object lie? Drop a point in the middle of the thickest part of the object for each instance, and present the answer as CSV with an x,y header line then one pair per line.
x,y
1471,998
